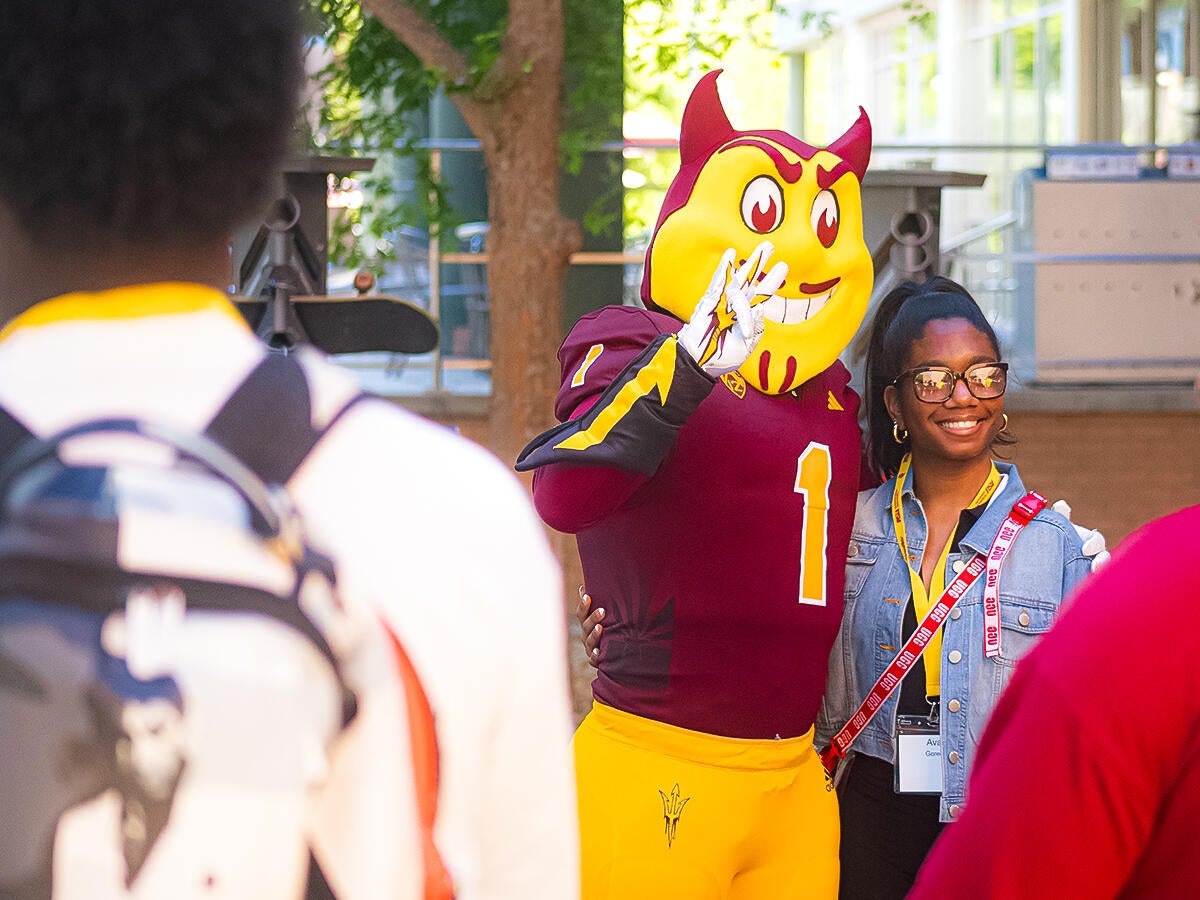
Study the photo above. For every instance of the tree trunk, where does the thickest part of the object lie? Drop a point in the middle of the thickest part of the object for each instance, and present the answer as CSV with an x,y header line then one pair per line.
x,y
515,112
529,240
529,245
516,115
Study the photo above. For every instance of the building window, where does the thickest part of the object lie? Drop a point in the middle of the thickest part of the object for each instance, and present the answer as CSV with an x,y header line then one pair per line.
x,y
1158,76
904,73
824,105
1016,49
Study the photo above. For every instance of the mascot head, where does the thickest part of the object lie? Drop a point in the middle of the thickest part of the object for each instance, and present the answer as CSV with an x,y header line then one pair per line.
x,y
739,188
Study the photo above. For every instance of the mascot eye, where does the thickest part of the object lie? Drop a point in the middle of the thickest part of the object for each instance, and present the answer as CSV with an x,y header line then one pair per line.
x,y
762,205
825,218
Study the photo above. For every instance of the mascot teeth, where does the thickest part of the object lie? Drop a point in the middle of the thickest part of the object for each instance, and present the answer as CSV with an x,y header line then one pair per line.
x,y
792,311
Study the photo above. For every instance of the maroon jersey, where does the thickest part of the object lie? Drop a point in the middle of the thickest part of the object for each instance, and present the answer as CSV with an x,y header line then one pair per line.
x,y
721,560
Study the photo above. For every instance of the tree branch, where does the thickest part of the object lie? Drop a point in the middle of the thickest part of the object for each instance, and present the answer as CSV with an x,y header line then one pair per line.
x,y
416,32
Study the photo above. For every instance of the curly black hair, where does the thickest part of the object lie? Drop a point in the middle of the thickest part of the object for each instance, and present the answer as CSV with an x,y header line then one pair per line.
x,y
143,121
899,320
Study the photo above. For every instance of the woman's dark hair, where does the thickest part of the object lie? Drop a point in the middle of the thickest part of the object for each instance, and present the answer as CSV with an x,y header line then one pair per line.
x,y
143,121
899,320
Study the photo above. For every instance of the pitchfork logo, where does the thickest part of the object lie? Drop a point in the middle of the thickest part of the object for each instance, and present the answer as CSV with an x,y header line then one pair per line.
x,y
673,806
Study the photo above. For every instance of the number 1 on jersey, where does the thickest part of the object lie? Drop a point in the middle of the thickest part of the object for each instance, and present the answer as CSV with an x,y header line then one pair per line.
x,y
814,470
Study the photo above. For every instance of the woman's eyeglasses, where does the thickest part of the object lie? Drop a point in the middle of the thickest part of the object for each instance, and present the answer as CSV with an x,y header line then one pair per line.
x,y
935,384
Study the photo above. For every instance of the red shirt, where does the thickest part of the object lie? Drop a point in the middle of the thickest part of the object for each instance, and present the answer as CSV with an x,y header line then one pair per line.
x,y
698,566
1087,779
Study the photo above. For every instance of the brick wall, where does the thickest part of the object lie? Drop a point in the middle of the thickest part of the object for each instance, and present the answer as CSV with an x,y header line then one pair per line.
x,y
1118,470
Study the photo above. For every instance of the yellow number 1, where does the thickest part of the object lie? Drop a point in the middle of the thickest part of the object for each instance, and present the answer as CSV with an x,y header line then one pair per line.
x,y
814,471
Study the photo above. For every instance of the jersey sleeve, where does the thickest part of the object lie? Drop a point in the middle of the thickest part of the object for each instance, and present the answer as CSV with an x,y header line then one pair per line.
x,y
626,391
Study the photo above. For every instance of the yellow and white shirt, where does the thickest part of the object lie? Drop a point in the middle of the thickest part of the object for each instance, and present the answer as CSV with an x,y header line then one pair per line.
x,y
429,532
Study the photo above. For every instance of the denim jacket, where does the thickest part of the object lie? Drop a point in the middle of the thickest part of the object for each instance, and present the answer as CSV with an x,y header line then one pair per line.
x,y
1045,563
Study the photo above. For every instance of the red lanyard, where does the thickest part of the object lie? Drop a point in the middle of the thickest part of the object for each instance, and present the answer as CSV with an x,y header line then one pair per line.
x,y
1021,515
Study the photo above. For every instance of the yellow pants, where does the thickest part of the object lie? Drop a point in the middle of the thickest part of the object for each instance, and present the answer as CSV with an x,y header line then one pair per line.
x,y
669,813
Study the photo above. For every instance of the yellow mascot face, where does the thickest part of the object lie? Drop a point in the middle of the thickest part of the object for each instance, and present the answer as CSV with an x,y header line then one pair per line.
x,y
737,189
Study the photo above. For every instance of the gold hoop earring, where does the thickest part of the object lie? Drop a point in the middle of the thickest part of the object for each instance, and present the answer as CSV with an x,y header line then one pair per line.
x,y
1004,422
896,436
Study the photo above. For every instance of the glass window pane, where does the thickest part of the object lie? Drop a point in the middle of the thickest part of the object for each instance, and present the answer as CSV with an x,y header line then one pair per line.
x,y
1190,96
927,28
899,82
1052,82
903,77
1023,57
816,90
1174,112
1026,112
928,103
1135,87
997,92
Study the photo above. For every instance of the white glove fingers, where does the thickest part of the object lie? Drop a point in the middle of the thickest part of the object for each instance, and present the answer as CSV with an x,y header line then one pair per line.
x,y
739,305
748,273
720,281
773,280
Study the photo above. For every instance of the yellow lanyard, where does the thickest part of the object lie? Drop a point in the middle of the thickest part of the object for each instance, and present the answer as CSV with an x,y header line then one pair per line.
x,y
922,599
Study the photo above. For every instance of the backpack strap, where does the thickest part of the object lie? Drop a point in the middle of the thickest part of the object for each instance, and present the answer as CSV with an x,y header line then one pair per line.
x,y
12,433
267,424
267,421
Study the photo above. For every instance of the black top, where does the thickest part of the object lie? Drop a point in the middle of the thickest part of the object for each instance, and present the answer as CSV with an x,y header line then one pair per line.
x,y
912,700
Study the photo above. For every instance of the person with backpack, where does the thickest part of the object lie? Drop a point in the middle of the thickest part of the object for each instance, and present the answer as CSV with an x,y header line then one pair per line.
x,y
242,606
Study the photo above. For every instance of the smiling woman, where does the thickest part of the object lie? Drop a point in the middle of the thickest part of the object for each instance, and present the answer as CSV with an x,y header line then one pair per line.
x,y
935,411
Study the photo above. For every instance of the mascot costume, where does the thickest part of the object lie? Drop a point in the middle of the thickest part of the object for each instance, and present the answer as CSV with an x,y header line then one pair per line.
x,y
708,462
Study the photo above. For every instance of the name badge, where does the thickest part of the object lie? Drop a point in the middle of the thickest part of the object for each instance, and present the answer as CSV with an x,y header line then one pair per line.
x,y
918,768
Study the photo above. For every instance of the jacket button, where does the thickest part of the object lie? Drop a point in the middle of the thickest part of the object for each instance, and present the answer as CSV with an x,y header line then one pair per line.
x,y
952,756
958,565
1023,618
852,550
956,613
955,809
954,656
954,706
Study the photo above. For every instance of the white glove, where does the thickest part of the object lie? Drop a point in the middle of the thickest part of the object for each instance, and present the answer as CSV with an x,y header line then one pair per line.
x,y
1094,546
726,325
